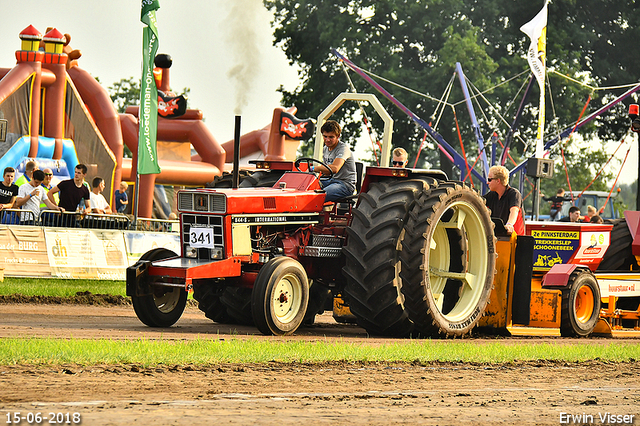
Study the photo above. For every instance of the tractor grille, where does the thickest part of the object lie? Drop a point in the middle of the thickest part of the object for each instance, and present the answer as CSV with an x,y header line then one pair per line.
x,y
203,221
197,201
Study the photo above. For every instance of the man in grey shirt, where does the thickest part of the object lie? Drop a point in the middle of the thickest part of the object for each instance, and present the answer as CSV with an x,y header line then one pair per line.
x,y
339,158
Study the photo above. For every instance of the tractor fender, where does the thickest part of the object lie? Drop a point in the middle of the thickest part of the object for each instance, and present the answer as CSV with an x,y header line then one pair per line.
x,y
633,220
558,275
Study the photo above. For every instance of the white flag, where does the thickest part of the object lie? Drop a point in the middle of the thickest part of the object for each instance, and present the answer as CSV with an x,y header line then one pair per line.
x,y
536,29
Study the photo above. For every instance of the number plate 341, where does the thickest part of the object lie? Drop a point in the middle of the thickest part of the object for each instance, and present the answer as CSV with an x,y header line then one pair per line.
x,y
201,237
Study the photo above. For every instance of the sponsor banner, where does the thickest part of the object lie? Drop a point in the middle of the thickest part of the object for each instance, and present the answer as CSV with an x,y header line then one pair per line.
x,y
23,252
592,247
553,246
138,243
618,288
84,253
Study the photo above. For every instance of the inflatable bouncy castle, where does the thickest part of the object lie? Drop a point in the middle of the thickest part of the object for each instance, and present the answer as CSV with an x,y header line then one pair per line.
x,y
59,114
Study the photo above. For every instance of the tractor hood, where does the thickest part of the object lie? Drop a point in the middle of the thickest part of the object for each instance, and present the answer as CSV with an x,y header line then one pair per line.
x,y
287,196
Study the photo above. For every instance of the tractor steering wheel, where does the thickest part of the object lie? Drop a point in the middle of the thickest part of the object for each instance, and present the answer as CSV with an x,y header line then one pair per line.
x,y
309,160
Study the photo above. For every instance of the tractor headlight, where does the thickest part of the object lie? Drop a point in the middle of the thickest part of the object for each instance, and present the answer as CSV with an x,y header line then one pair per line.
x,y
191,252
216,253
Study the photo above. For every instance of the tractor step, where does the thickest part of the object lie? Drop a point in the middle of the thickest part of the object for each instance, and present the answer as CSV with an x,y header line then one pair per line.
x,y
327,241
315,251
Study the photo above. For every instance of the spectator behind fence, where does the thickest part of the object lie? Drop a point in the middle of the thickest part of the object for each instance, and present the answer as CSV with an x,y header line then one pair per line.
x,y
46,184
8,189
97,201
31,194
73,191
8,194
26,177
121,197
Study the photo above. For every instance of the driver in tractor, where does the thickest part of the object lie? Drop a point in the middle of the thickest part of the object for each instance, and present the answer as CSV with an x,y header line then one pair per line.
x,y
504,201
341,165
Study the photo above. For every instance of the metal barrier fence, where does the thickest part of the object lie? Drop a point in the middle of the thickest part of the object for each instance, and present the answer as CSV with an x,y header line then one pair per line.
x,y
54,218
157,225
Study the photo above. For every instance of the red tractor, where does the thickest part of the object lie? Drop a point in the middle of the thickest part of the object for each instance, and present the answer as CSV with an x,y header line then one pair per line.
x,y
414,254
270,256
275,256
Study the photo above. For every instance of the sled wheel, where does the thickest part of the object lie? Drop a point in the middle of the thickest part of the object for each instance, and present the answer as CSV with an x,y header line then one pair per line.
x,y
280,297
165,305
580,305
448,261
619,255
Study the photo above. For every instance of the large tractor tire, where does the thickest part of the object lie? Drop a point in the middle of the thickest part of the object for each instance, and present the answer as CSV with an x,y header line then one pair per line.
x,y
280,297
261,179
208,298
373,289
580,305
237,302
619,256
448,261
318,297
226,180
165,305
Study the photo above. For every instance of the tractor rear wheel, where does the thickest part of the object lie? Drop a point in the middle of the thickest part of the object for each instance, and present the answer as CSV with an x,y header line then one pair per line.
x,y
165,305
261,179
373,289
448,261
237,302
280,297
208,298
580,305
226,180
318,297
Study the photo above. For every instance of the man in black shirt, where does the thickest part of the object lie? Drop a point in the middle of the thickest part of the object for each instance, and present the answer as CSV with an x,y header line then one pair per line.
x,y
8,189
504,201
8,194
574,215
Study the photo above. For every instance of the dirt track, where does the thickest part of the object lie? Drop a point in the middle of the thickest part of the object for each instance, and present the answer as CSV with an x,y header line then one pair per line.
x,y
334,393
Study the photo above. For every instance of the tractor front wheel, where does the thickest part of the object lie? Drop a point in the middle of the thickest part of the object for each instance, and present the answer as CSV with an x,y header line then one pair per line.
x,y
165,305
280,297
580,305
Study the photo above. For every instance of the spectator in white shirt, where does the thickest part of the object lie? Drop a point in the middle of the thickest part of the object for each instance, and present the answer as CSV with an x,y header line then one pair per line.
x,y
31,195
98,202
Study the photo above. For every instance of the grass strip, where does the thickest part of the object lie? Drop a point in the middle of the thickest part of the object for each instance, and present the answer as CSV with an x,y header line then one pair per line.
x,y
44,351
59,287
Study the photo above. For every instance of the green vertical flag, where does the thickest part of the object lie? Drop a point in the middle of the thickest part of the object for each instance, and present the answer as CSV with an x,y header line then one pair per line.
x,y
148,114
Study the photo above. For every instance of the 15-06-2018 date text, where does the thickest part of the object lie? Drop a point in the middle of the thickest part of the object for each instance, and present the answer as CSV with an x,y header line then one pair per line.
x,y
37,418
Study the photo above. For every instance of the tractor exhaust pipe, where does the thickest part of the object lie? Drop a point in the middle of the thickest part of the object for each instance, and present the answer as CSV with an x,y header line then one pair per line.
x,y
236,155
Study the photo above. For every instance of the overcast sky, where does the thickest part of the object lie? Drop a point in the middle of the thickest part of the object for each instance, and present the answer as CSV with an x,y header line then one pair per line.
x,y
205,38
